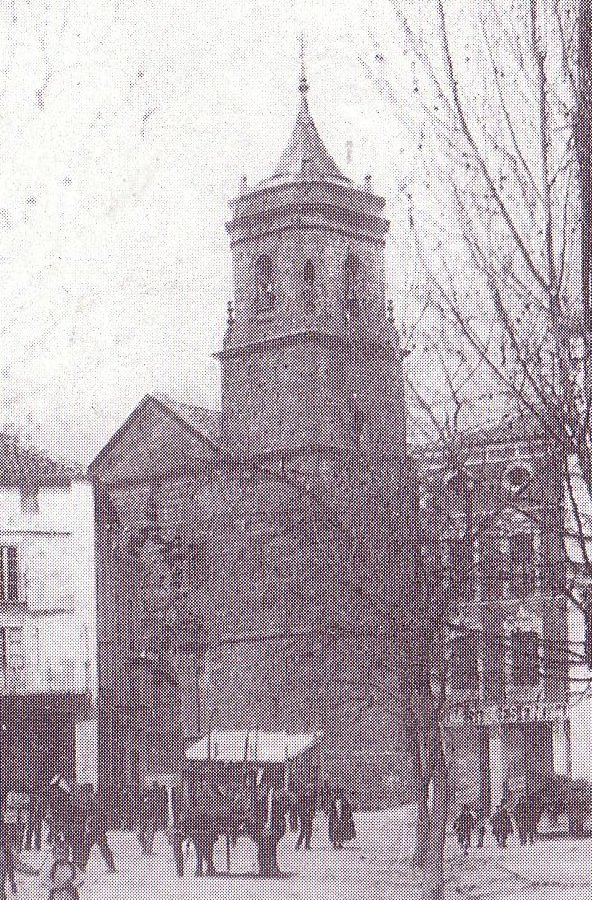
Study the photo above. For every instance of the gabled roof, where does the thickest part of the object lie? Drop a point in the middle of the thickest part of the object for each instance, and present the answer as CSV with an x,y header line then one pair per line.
x,y
306,155
203,420
159,432
26,468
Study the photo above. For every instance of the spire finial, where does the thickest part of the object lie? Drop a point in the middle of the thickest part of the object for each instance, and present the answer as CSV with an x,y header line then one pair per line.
x,y
303,87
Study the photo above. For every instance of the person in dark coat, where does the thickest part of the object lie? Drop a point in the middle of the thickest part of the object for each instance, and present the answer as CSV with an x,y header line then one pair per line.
x,y
501,825
270,825
9,862
148,818
341,820
91,829
521,817
534,814
464,826
307,807
198,827
63,880
34,825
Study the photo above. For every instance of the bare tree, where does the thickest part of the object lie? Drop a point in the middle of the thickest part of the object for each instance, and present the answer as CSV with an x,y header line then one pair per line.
x,y
503,295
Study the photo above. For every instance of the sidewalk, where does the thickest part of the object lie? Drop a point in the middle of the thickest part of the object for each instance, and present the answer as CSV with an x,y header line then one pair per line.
x,y
376,866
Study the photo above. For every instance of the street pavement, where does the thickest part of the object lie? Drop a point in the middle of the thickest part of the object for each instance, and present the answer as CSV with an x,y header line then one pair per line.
x,y
375,866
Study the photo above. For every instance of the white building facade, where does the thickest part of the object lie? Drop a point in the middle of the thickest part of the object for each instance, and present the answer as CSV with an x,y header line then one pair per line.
x,y
48,671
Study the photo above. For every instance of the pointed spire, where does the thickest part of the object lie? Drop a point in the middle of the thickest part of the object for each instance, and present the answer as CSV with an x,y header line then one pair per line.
x,y
306,156
303,86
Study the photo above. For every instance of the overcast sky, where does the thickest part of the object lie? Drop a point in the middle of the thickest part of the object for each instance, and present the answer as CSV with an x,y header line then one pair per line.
x,y
125,128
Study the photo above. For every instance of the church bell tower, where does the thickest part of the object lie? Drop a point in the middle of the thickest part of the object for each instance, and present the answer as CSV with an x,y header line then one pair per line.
x,y
310,359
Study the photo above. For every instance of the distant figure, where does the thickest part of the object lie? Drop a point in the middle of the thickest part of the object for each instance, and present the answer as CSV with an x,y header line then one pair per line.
x,y
534,814
464,826
63,881
577,812
501,825
521,817
10,863
35,823
307,807
147,818
91,829
325,798
270,822
481,827
341,820
198,827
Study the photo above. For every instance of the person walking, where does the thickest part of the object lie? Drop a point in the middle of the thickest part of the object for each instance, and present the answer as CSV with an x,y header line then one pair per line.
x,y
10,862
271,825
464,826
521,817
501,825
307,807
336,819
534,814
93,830
147,818
34,825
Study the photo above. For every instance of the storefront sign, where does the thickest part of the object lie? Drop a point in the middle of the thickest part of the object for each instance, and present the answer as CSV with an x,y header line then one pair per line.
x,y
507,714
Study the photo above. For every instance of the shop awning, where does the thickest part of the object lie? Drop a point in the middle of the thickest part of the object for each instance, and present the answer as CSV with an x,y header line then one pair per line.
x,y
253,745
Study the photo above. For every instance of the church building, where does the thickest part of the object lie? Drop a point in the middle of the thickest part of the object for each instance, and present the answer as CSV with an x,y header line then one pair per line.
x,y
250,558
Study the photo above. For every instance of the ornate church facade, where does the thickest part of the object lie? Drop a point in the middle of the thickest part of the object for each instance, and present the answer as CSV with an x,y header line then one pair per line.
x,y
251,559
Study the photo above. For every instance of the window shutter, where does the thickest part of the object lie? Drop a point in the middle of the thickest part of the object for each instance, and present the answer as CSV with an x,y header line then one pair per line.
x,y
465,669
525,658
12,575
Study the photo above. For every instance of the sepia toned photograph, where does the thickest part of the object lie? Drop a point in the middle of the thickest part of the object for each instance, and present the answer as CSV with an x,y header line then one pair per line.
x,y
296,449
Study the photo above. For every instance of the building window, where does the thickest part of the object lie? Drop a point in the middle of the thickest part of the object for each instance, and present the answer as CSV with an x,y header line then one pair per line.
x,y
490,567
525,658
3,657
465,661
458,572
494,665
265,287
8,576
357,418
520,565
309,291
352,293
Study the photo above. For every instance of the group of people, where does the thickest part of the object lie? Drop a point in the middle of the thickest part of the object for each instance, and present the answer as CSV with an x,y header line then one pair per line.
x,y
262,811
525,816
73,821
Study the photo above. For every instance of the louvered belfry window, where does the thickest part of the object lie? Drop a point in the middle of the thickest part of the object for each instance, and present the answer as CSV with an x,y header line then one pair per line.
x,y
525,658
465,661
9,594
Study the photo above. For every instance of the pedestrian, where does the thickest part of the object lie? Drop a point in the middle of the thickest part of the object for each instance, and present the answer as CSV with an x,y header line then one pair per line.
x,y
325,798
306,808
464,826
34,825
63,879
147,818
521,816
481,828
270,824
534,815
340,819
92,829
10,862
501,825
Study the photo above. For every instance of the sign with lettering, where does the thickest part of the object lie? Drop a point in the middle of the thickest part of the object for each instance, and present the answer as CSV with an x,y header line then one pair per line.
x,y
507,713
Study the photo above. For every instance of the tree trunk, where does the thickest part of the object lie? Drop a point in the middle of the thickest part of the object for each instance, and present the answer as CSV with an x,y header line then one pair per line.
x,y
433,870
432,819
